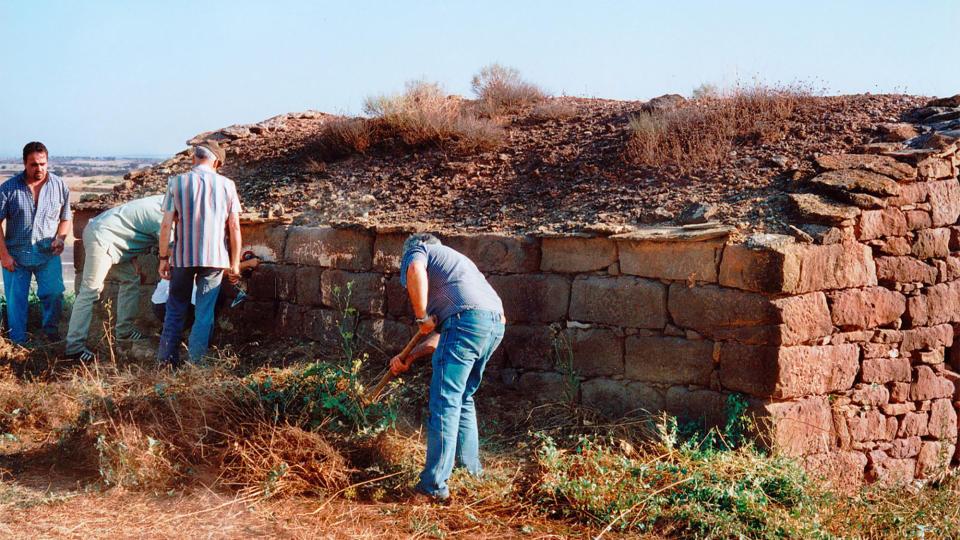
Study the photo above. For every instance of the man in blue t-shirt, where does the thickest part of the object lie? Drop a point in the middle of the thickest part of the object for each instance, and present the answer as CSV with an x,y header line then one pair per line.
x,y
449,293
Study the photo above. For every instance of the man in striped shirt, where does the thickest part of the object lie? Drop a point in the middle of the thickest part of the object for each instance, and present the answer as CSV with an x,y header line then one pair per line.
x,y
203,205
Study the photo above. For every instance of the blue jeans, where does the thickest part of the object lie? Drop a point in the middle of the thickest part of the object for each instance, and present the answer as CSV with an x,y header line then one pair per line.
x,y
16,286
467,340
178,304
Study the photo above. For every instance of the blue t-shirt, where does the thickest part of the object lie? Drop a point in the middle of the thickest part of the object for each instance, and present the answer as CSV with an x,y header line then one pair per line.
x,y
455,283
30,229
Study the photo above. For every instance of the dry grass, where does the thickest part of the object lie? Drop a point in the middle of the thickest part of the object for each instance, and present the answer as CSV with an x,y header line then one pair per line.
x,y
501,90
703,132
553,109
344,137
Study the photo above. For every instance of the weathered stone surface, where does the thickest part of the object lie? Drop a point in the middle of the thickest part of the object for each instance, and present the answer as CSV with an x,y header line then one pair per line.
x,y
944,198
918,219
880,223
619,301
308,286
596,351
387,251
771,264
322,326
823,234
857,309
896,132
349,249
935,167
533,297
872,426
891,270
910,194
913,424
258,316
872,395
857,180
786,372
841,471
529,347
722,313
266,240
934,458
800,427
869,162
926,338
573,255
929,385
936,305
884,370
384,335
669,360
290,321
814,208
706,407
542,387
273,282
905,448
692,261
892,472
363,291
499,253
943,420
398,302
930,243
619,398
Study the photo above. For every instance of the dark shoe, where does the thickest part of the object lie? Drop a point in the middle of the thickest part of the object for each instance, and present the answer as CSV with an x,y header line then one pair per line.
x,y
85,355
133,336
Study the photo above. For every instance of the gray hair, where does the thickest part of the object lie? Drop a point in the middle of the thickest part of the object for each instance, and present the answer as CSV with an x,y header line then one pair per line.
x,y
203,154
419,238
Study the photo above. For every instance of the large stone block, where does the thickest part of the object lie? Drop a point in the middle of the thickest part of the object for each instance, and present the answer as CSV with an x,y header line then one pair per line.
x,y
799,427
731,314
930,243
498,253
398,301
619,301
681,261
669,360
308,286
273,282
929,338
771,263
363,291
934,458
943,420
858,309
872,426
884,370
384,337
290,320
323,326
944,198
574,254
531,347
621,398
893,270
348,249
541,387
928,385
891,472
881,223
596,352
387,251
267,240
936,305
787,372
533,298
841,471
706,407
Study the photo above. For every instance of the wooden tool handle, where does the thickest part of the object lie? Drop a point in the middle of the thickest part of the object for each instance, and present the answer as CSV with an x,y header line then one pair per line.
x,y
374,394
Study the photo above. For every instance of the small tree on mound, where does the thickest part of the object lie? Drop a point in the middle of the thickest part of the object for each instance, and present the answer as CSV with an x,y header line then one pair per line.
x,y
500,89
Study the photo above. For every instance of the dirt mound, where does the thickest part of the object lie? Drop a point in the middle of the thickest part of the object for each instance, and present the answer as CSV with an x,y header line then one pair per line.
x,y
564,165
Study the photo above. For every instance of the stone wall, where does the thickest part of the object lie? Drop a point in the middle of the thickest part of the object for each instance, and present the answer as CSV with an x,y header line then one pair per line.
x,y
840,335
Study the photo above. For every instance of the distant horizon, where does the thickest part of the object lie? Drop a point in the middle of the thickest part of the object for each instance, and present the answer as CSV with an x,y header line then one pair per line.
x,y
145,86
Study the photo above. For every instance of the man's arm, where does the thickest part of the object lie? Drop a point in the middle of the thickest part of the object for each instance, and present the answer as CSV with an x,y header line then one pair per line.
x,y
164,248
6,260
424,348
417,288
63,229
236,241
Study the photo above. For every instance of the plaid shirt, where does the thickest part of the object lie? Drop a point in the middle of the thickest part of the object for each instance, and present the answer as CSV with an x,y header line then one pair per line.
x,y
202,200
30,229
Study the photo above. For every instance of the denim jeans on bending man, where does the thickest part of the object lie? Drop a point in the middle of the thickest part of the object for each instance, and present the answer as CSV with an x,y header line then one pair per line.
x,y
181,286
16,289
467,340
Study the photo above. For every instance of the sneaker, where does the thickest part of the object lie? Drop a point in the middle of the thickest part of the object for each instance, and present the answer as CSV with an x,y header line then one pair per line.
x,y
422,497
84,355
133,336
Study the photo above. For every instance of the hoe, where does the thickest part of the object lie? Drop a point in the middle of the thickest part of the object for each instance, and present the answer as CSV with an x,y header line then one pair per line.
x,y
373,395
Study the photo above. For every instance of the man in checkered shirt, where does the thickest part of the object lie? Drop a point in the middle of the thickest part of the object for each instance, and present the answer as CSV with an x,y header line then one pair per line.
x,y
35,209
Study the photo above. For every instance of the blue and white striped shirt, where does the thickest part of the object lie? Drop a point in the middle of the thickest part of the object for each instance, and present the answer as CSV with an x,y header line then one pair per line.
x,y
202,200
455,282
30,229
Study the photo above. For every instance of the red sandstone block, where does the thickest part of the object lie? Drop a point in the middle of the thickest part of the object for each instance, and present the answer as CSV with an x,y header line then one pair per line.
x,y
873,395
530,347
778,265
858,309
934,458
918,219
387,251
905,448
900,392
265,239
928,385
892,270
872,426
926,338
934,168
618,398
349,249
892,472
538,297
619,301
498,253
398,302
930,243
690,261
574,255
362,291
705,407
800,427
896,246
786,372
912,193
308,286
273,282
386,336
913,424
596,351
884,370
669,360
841,471
944,197
943,420
879,223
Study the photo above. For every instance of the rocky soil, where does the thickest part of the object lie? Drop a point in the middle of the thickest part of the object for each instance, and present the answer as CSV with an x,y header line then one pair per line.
x,y
567,173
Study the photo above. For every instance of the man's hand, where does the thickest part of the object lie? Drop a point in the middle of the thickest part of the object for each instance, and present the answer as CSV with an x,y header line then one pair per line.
x,y
427,325
233,274
400,365
164,269
7,261
57,245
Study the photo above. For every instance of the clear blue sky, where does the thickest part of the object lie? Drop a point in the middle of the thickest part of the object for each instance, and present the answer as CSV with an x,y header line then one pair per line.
x,y
120,77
